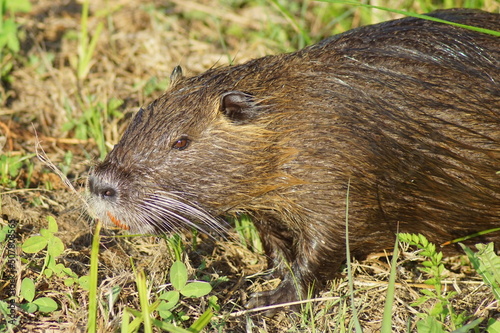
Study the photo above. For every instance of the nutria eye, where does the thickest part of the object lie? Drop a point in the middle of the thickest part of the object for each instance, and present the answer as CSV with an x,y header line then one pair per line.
x,y
181,144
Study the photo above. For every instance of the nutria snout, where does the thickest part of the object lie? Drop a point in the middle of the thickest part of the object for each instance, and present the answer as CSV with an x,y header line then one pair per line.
x,y
407,112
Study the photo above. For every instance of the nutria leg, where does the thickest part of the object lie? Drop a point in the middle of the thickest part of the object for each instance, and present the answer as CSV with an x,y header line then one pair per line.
x,y
278,245
279,249
294,262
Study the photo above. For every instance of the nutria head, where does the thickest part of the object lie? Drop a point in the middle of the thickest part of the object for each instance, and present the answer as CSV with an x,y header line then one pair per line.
x,y
191,155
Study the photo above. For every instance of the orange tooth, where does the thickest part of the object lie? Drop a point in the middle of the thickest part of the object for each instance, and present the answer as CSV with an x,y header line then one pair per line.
x,y
117,222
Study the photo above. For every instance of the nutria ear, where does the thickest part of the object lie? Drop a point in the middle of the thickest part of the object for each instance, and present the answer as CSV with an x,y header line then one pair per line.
x,y
239,106
176,75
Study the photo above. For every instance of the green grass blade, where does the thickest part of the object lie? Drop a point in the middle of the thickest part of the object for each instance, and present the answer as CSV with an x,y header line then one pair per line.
x,y
290,18
125,321
201,322
86,48
94,261
89,52
389,300
462,239
140,280
485,263
83,39
422,16
469,327
350,278
135,324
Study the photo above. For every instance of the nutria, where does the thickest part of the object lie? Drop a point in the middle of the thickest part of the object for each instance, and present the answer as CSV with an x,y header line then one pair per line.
x,y
405,113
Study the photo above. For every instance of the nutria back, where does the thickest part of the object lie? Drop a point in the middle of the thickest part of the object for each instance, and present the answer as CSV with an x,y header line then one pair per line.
x,y
404,114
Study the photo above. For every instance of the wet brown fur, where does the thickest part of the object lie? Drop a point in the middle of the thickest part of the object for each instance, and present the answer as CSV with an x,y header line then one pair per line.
x,y
407,112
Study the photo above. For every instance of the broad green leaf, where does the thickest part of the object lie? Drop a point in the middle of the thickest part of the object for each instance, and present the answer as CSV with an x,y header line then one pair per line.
x,y
196,289
28,289
428,292
431,281
84,282
69,282
34,244
170,298
165,314
29,307
437,309
57,269
429,324
45,304
163,306
426,263
46,233
69,272
55,247
52,224
213,303
50,261
48,272
4,231
178,275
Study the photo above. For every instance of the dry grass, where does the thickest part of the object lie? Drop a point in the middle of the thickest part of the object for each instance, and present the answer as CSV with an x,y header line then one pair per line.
x,y
141,42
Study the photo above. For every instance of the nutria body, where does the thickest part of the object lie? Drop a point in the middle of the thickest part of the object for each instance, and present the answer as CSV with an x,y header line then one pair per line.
x,y
407,112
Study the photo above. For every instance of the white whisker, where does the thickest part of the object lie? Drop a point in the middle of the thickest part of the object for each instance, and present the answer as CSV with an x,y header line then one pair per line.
x,y
159,211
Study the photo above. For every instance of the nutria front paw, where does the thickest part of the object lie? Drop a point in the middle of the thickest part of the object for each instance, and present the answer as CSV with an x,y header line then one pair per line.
x,y
285,293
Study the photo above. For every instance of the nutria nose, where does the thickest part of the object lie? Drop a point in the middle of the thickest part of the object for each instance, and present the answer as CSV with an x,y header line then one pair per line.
x,y
104,191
